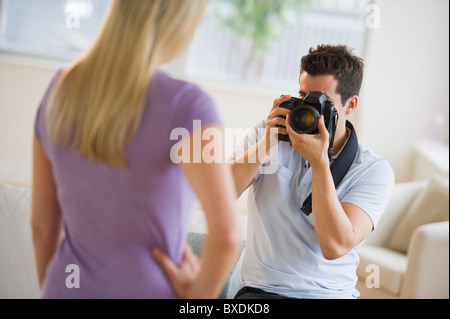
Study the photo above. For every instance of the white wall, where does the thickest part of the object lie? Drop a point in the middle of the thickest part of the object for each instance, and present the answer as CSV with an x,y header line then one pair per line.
x,y
407,74
21,89
406,77
22,86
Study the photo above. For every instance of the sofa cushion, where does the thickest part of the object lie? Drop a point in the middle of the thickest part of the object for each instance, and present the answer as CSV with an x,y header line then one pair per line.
x,y
430,206
18,277
390,263
196,240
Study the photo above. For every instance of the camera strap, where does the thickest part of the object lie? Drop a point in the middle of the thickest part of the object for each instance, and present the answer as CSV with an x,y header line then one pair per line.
x,y
340,166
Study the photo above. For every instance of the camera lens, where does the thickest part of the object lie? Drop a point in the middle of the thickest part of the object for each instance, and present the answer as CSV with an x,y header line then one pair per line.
x,y
304,120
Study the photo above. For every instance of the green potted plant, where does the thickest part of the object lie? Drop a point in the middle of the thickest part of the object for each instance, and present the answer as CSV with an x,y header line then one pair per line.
x,y
254,24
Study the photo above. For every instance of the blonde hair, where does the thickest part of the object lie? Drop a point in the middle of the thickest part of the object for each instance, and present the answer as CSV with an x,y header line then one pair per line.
x,y
96,106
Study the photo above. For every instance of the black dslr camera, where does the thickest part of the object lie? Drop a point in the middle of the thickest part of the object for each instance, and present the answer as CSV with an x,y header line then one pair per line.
x,y
305,114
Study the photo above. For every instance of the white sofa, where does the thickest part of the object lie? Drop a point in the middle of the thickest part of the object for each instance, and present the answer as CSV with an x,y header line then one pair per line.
x,y
422,271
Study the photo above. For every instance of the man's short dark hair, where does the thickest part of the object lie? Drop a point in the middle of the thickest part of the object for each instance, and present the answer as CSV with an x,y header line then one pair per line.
x,y
339,61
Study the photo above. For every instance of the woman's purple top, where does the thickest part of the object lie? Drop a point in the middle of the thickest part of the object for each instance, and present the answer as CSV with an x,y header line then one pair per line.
x,y
113,217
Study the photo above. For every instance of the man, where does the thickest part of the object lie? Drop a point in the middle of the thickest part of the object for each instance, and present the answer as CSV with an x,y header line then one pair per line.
x,y
290,254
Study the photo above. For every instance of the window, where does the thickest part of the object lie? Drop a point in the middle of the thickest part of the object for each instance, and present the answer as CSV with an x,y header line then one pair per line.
x,y
225,49
55,29
255,42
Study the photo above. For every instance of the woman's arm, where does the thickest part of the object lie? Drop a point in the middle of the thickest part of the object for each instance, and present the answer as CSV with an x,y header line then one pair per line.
x,y
46,222
213,184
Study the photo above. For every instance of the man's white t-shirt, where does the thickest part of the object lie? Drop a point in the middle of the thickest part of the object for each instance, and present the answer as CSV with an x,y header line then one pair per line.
x,y
282,253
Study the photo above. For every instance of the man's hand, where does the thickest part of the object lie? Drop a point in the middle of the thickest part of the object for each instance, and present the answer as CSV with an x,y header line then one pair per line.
x,y
274,121
313,148
181,277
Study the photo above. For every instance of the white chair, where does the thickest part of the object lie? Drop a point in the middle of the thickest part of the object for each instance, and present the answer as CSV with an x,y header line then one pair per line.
x,y
385,271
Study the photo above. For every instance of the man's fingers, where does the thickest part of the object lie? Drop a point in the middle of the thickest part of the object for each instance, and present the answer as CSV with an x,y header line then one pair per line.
x,y
322,128
276,121
288,127
281,99
279,111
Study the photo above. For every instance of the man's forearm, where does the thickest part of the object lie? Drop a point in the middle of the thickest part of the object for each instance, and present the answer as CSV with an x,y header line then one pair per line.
x,y
245,167
333,227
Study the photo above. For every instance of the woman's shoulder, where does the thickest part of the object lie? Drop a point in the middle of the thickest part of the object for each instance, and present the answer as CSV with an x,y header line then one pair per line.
x,y
184,101
177,88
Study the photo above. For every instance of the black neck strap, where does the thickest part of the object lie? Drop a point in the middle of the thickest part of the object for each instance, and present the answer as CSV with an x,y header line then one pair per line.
x,y
340,166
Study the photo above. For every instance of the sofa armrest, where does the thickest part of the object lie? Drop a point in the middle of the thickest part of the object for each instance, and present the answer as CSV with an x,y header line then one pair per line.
x,y
402,196
427,273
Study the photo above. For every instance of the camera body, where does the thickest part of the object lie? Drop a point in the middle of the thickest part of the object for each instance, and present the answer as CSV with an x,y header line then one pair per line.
x,y
305,114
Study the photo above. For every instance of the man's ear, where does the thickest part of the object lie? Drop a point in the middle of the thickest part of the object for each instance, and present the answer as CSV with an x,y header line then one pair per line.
x,y
351,105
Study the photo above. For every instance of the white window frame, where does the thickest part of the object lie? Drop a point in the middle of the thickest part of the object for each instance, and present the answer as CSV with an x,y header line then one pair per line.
x,y
177,67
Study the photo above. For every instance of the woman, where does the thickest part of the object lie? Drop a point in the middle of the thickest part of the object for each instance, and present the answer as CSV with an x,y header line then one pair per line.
x,y
110,210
